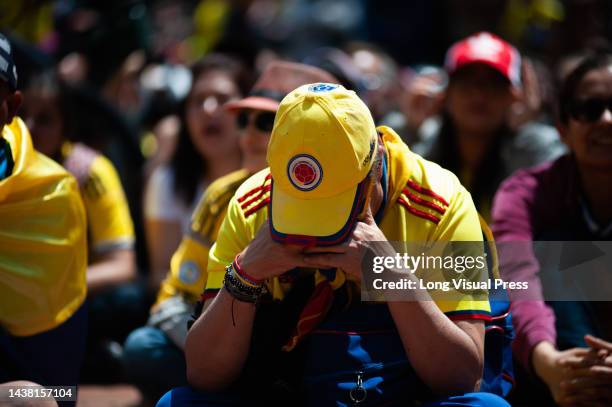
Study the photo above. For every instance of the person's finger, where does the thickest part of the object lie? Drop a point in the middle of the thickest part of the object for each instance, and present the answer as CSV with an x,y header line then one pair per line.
x,y
585,402
578,384
599,393
587,398
597,343
576,354
367,216
323,260
573,401
586,360
328,249
594,371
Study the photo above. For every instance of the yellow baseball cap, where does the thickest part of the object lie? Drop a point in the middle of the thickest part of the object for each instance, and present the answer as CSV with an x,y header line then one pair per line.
x,y
320,152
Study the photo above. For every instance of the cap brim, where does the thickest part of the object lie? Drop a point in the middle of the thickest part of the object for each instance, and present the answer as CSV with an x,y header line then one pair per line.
x,y
253,102
491,64
325,221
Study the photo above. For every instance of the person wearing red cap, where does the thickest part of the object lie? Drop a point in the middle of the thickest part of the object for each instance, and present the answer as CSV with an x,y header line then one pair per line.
x,y
182,286
283,323
473,137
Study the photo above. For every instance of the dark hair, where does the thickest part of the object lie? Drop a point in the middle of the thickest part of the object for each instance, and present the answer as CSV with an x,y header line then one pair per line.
x,y
489,173
47,82
186,162
593,61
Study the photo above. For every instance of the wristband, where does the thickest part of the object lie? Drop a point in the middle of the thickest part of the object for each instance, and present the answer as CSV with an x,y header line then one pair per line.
x,y
244,276
240,288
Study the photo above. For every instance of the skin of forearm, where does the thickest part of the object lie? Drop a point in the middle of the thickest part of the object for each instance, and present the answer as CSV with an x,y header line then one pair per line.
x,y
230,338
543,360
444,356
111,269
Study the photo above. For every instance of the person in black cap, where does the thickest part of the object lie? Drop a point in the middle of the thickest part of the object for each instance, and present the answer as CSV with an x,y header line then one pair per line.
x,y
43,253
11,98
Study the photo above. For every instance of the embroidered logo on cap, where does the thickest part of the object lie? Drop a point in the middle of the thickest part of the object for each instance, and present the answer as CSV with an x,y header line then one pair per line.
x,y
485,46
367,159
305,172
322,87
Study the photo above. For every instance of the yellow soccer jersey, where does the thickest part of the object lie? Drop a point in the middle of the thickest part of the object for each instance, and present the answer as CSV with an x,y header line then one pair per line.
x,y
43,252
187,275
425,203
108,216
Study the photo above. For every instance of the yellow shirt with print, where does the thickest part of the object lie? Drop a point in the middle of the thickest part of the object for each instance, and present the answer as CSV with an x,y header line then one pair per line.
x,y
43,252
425,203
187,276
109,224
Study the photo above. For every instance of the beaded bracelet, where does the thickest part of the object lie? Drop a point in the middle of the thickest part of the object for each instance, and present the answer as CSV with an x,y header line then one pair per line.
x,y
240,288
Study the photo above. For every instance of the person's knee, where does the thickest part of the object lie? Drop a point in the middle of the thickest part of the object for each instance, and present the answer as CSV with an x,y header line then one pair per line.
x,y
188,396
479,399
165,400
5,388
148,351
482,399
141,340
140,346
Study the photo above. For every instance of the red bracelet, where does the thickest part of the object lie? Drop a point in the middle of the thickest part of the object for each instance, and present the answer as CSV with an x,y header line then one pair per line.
x,y
243,274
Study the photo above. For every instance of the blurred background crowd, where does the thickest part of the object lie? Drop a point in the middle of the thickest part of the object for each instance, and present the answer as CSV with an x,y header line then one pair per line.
x,y
144,83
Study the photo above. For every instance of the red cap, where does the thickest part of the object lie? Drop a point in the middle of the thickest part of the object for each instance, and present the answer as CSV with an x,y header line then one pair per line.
x,y
489,49
276,81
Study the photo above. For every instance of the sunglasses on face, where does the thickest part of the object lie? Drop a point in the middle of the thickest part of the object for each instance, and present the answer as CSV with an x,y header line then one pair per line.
x,y
263,121
589,110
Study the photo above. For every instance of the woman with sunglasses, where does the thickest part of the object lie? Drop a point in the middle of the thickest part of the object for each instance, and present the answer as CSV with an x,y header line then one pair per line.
x,y
565,343
160,345
207,149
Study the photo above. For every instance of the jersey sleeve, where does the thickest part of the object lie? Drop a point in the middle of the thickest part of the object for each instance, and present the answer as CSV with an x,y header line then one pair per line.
x,y
187,274
234,235
188,267
109,221
461,233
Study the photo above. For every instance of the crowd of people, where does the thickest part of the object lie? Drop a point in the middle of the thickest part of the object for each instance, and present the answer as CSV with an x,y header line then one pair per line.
x,y
197,228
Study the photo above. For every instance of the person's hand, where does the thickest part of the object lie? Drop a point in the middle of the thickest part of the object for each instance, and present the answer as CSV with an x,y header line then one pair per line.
x,y
600,355
528,104
604,347
588,379
349,255
591,386
549,365
264,258
422,98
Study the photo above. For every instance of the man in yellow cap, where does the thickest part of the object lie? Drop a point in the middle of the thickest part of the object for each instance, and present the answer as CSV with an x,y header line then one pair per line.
x,y
43,253
280,320
160,345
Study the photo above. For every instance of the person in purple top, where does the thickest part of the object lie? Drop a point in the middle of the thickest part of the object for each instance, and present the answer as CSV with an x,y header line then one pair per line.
x,y
565,344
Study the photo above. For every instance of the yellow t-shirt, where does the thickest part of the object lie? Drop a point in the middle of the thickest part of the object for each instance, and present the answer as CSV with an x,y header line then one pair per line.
x,y
187,276
425,203
43,249
109,224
